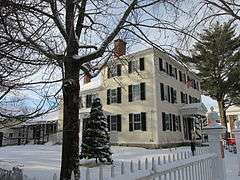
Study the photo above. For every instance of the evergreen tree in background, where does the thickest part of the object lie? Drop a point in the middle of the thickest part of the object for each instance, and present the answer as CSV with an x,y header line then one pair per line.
x,y
217,58
95,138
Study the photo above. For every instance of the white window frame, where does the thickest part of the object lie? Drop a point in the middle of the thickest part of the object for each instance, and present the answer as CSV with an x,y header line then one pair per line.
x,y
135,65
113,118
136,92
113,97
113,70
167,121
135,115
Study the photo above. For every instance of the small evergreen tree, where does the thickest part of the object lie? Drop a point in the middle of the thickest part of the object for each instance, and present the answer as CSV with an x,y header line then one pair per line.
x,y
95,137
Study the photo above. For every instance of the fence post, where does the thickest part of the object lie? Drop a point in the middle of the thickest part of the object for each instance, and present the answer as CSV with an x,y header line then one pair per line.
x,y
214,132
87,174
146,163
54,176
112,171
164,159
177,156
122,168
169,158
159,160
139,164
174,158
237,136
131,166
153,164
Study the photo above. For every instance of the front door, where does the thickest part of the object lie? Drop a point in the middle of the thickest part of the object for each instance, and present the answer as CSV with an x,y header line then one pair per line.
x,y
188,127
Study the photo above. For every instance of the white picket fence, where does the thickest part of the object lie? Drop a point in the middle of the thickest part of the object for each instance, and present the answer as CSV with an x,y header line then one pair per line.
x,y
202,167
173,166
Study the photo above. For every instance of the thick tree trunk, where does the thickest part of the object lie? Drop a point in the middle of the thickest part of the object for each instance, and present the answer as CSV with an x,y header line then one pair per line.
x,y
70,147
222,111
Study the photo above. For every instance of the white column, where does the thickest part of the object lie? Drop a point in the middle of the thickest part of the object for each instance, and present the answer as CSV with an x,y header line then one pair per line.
x,y
237,136
214,133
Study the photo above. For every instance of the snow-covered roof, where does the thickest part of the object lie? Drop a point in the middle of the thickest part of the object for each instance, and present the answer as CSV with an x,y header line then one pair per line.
x,y
12,110
194,108
94,84
46,118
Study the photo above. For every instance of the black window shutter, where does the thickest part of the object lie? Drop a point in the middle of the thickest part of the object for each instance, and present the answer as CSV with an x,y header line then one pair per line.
x,y
108,122
176,74
170,121
119,123
143,119
186,98
130,67
162,91
143,91
163,121
172,96
160,64
174,122
141,64
190,99
108,73
180,76
182,97
119,95
119,69
169,100
131,122
130,93
108,96
170,70
167,71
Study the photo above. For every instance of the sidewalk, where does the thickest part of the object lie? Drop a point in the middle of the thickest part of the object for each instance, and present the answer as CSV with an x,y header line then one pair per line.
x,y
232,166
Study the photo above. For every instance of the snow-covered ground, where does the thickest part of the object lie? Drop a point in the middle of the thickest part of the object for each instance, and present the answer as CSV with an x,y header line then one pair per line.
x,y
42,161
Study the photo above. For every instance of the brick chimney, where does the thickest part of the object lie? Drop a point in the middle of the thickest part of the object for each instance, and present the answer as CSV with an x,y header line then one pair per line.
x,y
86,79
119,48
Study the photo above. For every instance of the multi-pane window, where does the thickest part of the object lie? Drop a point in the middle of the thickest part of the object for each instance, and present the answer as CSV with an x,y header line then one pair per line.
x,y
160,64
136,91
114,95
114,122
114,70
167,122
168,93
89,99
136,65
137,121
170,122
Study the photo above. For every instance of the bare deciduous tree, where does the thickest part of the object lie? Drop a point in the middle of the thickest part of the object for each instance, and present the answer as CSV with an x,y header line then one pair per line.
x,y
76,36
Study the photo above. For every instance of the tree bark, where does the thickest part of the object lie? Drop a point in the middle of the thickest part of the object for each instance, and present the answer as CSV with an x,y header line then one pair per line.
x,y
222,111
70,147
